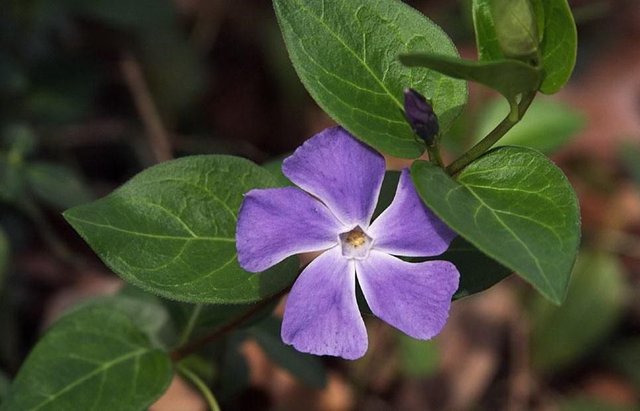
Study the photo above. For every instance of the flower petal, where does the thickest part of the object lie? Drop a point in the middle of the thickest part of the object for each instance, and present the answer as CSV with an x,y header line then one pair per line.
x,y
276,223
413,297
341,171
407,227
321,316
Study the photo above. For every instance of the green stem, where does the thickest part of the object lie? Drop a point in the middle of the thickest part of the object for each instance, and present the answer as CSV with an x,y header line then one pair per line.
x,y
188,329
200,385
434,155
493,137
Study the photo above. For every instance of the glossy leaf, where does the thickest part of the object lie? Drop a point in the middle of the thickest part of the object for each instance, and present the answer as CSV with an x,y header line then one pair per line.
x,y
171,231
509,77
514,205
562,335
94,358
57,185
559,45
478,272
345,53
305,367
546,126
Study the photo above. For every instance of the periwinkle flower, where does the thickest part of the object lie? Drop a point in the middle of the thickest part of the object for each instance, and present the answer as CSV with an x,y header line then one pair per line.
x,y
339,180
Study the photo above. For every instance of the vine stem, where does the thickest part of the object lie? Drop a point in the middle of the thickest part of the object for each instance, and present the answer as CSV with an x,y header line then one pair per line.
x,y
493,137
200,385
196,345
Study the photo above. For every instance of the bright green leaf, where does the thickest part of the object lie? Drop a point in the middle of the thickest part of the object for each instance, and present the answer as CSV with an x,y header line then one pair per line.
x,y
92,359
509,77
57,185
515,206
477,271
559,45
306,367
546,126
171,231
562,335
345,53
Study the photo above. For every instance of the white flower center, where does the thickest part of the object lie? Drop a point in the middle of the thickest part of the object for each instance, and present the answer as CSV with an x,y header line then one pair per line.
x,y
355,243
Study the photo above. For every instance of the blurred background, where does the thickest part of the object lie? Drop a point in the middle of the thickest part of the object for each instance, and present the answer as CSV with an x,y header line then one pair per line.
x,y
92,92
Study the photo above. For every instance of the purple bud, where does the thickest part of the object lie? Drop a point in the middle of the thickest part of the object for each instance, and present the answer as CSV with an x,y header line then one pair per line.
x,y
419,113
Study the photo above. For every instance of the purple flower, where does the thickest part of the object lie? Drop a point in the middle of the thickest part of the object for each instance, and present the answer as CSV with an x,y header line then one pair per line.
x,y
339,179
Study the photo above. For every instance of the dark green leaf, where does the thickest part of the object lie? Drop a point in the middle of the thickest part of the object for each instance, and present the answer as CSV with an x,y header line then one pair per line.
x,y
345,54
417,358
478,272
515,206
306,367
559,45
275,167
562,335
57,185
92,359
509,77
171,230
546,126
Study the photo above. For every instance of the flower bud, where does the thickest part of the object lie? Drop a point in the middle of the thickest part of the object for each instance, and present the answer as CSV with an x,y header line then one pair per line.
x,y
419,113
516,27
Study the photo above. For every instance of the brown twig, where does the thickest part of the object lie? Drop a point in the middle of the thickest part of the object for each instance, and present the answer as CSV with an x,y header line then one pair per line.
x,y
197,345
157,134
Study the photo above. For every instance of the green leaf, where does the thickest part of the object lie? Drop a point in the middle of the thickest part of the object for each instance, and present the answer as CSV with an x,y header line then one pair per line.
x,y
515,206
562,335
57,185
486,39
171,231
546,126
306,367
559,45
477,271
509,77
93,359
516,28
345,54
417,358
